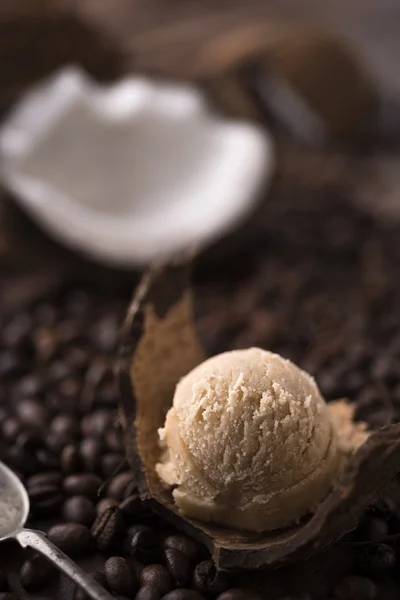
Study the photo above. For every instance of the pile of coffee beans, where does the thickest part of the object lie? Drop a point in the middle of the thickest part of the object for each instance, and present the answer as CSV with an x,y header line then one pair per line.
x,y
319,283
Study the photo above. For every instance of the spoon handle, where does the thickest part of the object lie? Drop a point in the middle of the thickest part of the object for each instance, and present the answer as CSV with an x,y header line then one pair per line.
x,y
38,541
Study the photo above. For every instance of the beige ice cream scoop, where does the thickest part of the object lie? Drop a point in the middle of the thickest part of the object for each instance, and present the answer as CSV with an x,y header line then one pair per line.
x,y
249,442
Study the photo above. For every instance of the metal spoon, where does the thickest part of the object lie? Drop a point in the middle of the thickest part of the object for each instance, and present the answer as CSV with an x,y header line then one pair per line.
x,y
14,509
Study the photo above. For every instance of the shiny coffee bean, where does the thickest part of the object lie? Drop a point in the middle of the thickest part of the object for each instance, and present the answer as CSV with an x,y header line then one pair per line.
x,y
32,413
157,576
373,529
36,573
10,429
79,509
104,504
179,566
18,331
82,484
144,544
207,580
45,498
29,386
90,450
148,593
186,545
240,594
72,538
79,594
120,576
131,489
48,478
108,529
65,426
113,439
131,506
183,594
70,459
118,484
11,365
110,463
95,424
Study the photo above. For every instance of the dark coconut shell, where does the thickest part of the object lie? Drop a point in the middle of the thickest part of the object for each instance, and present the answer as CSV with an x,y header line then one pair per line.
x,y
159,347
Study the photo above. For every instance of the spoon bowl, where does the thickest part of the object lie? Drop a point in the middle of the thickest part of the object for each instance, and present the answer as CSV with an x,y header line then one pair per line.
x,y
14,510
14,503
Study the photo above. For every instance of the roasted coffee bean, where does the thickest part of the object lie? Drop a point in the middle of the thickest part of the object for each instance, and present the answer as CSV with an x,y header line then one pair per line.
x,y
45,497
29,442
108,528
207,580
113,440
29,386
11,365
186,545
110,463
3,582
183,594
56,443
373,529
65,426
118,484
58,371
32,413
79,594
355,588
90,451
22,459
48,478
8,596
72,538
131,506
157,576
131,489
104,504
377,559
47,459
18,332
148,593
82,484
144,544
239,594
95,424
105,333
79,509
120,576
10,429
179,566
36,573
69,390
70,459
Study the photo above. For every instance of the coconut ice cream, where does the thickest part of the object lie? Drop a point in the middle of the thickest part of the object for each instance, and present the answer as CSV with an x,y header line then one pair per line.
x,y
249,442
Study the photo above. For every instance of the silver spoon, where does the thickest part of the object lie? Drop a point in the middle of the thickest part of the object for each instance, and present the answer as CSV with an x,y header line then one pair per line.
x,y
14,509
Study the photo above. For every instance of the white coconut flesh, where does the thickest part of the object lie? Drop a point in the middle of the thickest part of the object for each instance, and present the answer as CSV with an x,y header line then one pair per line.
x,y
131,173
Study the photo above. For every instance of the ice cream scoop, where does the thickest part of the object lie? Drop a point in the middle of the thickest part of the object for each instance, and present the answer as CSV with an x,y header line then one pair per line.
x,y
249,442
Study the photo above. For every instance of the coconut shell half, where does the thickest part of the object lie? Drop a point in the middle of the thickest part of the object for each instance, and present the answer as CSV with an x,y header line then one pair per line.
x,y
160,346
